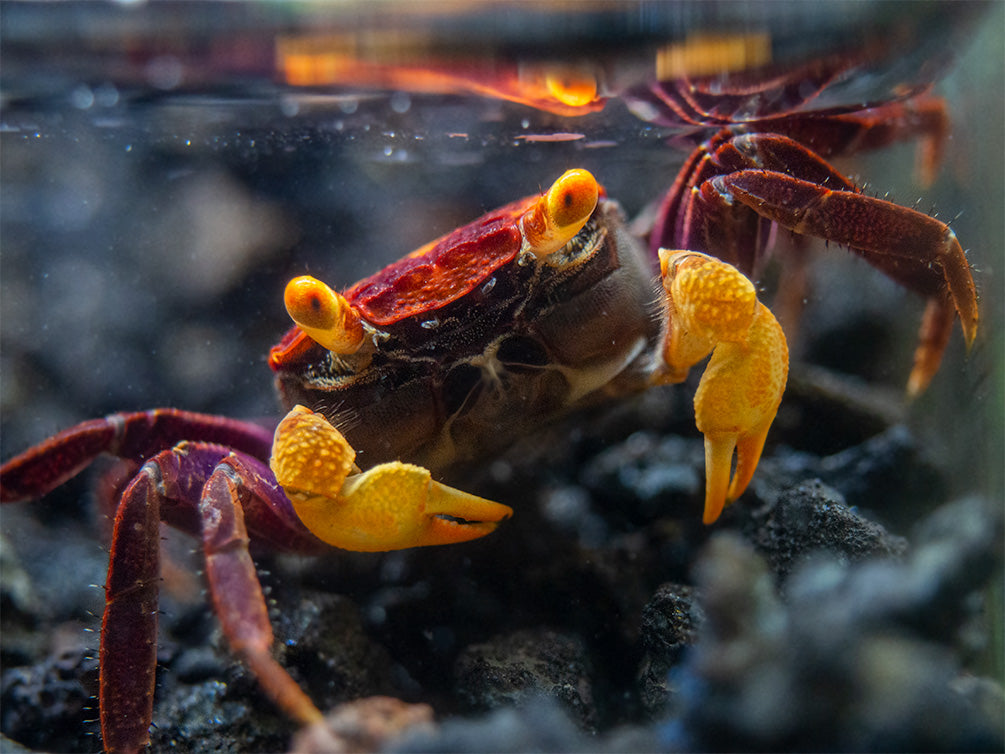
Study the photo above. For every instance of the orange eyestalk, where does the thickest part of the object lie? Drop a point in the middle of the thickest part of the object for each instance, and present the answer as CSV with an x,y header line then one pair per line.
x,y
713,307
560,213
392,506
324,315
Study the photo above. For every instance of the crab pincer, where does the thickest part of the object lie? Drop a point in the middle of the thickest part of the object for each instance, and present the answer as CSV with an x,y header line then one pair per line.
x,y
713,308
391,506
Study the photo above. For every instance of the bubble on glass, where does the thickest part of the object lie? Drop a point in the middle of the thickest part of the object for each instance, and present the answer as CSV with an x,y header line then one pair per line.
x,y
400,102
289,107
82,97
106,95
164,72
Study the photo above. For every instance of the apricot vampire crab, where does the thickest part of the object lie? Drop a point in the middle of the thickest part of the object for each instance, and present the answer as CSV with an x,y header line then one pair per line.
x,y
546,304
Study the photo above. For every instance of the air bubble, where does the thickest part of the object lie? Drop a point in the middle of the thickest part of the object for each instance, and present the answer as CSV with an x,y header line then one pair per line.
x,y
400,102
82,97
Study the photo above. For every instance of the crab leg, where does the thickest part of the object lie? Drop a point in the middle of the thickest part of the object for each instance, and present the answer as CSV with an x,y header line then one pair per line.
x,y
736,185
233,581
170,487
918,251
128,653
135,436
782,149
837,134
712,307
389,507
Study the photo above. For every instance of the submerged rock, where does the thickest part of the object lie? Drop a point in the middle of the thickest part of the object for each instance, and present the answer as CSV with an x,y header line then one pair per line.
x,y
856,657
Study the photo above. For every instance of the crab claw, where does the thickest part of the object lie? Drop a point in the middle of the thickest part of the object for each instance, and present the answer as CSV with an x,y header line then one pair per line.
x,y
712,307
392,506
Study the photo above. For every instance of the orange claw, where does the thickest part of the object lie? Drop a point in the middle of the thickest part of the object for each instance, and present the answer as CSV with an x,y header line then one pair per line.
x,y
392,506
713,308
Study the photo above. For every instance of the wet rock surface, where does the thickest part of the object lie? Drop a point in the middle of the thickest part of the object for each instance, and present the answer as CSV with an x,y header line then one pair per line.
x,y
518,668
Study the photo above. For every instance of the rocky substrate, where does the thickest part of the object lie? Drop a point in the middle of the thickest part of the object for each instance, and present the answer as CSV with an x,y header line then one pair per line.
x,y
603,617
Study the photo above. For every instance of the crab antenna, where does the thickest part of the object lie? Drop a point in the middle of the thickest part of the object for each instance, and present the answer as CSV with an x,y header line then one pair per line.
x,y
560,213
324,315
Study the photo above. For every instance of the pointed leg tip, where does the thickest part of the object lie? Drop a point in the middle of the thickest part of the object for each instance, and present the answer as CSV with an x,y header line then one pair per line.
x,y
970,334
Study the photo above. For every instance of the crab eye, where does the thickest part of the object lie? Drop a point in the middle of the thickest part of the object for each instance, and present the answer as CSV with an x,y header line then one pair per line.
x,y
324,315
561,213
571,200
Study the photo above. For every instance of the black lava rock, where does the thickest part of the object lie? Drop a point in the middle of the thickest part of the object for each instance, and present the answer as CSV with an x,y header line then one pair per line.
x,y
512,670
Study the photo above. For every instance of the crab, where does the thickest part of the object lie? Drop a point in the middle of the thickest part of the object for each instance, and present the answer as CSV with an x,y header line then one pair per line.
x,y
545,305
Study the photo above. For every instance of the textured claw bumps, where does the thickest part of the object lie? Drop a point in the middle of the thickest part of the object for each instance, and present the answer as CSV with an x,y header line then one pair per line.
x,y
714,308
392,506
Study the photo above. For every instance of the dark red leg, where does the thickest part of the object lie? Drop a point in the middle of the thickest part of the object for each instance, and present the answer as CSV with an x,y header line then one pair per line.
x,y
135,436
913,248
796,145
936,327
128,655
833,135
918,251
173,487
738,236
236,591
669,230
738,184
